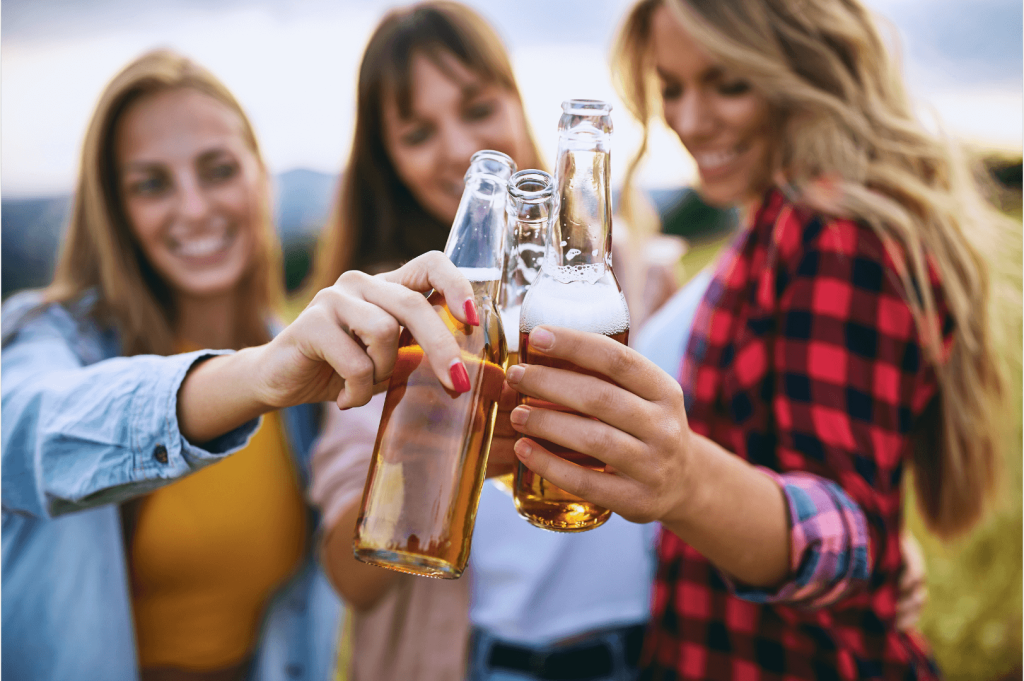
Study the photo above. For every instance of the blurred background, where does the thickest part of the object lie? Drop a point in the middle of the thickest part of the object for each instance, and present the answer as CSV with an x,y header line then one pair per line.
x,y
292,64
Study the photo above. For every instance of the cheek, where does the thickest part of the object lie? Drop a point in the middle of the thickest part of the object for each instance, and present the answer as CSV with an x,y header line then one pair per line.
x,y
145,220
748,117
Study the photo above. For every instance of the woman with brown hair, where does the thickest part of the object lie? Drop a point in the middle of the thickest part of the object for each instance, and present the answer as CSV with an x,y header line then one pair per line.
x,y
126,554
435,86
847,333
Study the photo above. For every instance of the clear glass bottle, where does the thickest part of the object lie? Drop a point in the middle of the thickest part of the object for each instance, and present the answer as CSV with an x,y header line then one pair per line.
x,y
530,209
422,490
576,289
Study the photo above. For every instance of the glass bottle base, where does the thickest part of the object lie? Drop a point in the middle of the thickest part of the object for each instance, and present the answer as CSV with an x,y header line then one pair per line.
x,y
562,516
409,563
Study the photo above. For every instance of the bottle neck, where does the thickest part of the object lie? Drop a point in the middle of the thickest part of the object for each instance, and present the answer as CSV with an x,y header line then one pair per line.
x,y
583,232
476,244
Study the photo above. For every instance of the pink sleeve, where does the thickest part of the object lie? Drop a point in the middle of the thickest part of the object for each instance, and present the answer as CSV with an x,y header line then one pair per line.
x,y
341,458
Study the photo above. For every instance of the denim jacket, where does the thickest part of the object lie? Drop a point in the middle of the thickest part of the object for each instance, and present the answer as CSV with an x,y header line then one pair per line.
x,y
84,429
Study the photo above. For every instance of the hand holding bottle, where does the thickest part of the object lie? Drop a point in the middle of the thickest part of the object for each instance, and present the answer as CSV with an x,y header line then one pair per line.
x,y
640,431
338,348
346,339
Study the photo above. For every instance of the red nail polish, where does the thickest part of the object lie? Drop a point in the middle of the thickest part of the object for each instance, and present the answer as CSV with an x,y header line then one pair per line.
x,y
460,377
471,315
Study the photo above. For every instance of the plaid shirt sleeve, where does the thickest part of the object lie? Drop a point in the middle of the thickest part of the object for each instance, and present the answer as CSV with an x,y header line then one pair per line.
x,y
829,546
849,378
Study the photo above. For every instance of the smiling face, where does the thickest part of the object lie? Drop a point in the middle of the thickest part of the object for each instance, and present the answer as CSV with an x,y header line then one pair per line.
x,y
453,115
191,188
721,120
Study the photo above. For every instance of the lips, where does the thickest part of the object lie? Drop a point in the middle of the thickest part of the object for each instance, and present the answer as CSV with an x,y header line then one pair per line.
x,y
202,245
718,161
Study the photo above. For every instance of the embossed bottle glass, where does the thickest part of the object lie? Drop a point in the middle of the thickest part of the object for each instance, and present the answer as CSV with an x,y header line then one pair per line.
x,y
576,289
422,490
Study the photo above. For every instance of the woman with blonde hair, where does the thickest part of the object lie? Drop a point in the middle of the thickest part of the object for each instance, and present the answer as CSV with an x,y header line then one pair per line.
x,y
848,333
126,554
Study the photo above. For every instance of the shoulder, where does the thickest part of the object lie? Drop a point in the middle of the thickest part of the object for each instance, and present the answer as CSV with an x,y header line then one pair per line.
x,y
813,244
28,315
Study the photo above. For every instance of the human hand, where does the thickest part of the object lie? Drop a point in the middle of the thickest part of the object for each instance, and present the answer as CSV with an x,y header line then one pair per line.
x,y
640,430
913,592
345,342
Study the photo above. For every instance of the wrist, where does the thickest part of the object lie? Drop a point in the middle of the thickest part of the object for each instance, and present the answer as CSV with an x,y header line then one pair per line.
x,y
250,367
691,501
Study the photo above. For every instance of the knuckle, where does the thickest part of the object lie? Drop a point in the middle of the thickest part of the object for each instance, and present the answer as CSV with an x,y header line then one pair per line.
x,y
593,440
352,278
621,361
600,400
382,328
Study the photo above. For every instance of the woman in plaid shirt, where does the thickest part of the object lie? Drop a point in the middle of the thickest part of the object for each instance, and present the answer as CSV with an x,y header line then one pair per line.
x,y
846,333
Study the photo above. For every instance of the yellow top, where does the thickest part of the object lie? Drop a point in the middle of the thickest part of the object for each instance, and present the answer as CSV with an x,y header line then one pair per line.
x,y
210,550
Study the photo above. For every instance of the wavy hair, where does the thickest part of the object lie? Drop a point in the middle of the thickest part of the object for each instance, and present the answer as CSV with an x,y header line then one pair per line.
x,y
100,252
849,145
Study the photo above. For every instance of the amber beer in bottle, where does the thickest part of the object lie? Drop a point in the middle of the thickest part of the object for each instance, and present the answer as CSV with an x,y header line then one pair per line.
x,y
529,211
576,289
422,490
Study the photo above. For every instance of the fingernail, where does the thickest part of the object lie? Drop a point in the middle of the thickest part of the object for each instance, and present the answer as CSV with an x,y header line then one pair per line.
x,y
523,448
471,315
514,373
460,377
519,416
542,339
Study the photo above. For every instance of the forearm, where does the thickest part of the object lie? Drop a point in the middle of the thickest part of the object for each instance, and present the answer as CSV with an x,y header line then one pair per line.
x,y
734,515
219,395
361,585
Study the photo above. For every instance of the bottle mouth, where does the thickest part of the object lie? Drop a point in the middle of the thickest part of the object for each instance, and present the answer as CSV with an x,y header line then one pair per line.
x,y
491,162
586,107
531,186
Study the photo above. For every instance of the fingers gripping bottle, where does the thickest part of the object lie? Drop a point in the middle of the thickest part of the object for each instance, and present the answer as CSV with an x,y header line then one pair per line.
x,y
576,289
530,209
422,490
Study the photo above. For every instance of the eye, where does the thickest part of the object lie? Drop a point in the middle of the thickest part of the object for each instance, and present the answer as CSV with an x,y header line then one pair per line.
x,y
150,185
671,91
220,171
416,136
478,111
734,88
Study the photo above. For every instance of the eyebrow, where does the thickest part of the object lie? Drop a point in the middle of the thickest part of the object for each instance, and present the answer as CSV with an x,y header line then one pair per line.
x,y
712,73
204,157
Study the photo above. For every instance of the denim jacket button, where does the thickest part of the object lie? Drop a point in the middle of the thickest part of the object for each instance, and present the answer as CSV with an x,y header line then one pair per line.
x,y
294,670
160,453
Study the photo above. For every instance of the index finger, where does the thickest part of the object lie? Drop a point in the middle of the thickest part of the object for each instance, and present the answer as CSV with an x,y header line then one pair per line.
x,y
415,313
433,270
591,351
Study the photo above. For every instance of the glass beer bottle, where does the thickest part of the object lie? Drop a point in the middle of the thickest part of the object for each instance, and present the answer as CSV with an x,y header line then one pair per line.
x,y
576,289
530,209
422,490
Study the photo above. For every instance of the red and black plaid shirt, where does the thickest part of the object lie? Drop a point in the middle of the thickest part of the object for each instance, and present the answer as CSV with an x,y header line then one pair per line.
x,y
804,359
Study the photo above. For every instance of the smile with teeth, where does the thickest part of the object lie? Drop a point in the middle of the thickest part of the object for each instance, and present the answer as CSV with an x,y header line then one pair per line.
x,y
709,161
202,245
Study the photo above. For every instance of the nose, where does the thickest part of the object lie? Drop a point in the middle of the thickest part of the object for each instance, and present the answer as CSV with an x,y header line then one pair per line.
x,y
459,145
693,118
193,204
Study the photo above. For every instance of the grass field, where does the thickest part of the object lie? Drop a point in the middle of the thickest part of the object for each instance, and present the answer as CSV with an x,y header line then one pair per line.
x,y
973,617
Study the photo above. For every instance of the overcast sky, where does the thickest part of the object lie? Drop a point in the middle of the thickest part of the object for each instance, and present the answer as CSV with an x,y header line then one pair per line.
x,y
292,64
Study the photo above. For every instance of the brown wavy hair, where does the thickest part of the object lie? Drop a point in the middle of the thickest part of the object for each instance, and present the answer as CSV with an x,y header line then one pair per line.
x,y
376,223
100,252
846,124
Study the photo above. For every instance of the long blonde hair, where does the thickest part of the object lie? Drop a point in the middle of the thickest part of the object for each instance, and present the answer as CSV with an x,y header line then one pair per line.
x,y
375,222
100,252
847,124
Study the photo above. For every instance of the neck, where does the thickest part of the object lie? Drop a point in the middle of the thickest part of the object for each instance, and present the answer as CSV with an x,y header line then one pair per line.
x,y
208,322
